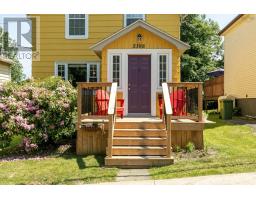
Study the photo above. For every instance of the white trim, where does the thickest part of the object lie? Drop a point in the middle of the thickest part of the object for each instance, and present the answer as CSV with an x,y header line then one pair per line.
x,y
110,74
158,69
78,37
154,71
140,23
125,18
66,63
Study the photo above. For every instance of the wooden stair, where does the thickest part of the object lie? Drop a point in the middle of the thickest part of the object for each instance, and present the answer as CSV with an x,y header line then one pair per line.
x,y
139,145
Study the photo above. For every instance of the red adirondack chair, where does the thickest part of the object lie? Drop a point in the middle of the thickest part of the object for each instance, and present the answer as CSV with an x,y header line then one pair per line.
x,y
102,102
178,101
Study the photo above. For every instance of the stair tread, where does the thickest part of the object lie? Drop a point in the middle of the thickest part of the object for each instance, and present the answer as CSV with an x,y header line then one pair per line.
x,y
139,129
139,138
139,157
138,147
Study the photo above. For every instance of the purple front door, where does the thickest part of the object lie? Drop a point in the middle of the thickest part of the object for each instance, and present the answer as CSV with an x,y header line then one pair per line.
x,y
139,83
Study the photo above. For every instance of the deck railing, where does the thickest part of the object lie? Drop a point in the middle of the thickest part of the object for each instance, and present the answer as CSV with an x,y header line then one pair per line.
x,y
95,105
181,101
187,100
87,105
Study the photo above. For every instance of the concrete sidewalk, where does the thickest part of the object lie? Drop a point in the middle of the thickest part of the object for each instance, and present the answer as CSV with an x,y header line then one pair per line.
x,y
227,179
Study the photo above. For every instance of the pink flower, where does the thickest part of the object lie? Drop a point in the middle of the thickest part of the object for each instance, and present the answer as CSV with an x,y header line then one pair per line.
x,y
38,113
2,106
66,105
19,119
62,123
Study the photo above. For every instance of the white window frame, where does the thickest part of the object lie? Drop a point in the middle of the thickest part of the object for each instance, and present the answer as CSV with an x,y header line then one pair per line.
x,y
76,37
158,68
120,70
125,17
87,66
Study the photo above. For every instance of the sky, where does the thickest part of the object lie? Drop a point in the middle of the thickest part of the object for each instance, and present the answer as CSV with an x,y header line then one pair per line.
x,y
221,19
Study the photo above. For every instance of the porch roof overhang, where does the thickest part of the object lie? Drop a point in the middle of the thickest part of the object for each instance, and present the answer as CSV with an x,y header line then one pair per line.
x,y
181,46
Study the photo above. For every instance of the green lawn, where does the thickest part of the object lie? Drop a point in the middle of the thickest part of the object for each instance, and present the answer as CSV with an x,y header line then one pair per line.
x,y
69,169
234,147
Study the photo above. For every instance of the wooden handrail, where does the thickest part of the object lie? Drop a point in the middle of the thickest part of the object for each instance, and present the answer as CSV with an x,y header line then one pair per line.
x,y
167,100
168,111
112,99
111,117
93,84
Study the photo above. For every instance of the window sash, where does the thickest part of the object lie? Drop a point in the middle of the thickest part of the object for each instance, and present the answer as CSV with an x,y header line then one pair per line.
x,y
92,70
116,69
162,69
131,18
76,26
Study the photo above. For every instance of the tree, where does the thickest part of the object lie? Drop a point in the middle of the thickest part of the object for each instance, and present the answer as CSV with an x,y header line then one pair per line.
x,y
206,50
9,49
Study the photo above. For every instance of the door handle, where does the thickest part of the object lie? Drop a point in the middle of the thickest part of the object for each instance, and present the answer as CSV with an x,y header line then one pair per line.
x,y
129,89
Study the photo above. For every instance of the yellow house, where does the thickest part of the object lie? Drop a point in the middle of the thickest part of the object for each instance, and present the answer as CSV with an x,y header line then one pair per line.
x,y
137,51
240,62
5,71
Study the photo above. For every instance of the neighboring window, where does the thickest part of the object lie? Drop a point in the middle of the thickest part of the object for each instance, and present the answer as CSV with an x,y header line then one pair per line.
x,y
76,26
78,72
131,18
93,73
116,68
61,71
162,69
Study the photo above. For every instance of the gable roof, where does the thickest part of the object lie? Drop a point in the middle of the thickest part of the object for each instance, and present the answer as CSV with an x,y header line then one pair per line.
x,y
182,46
230,24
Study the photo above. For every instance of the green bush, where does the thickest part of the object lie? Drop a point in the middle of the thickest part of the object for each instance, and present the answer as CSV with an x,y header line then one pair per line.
x,y
190,147
177,149
42,112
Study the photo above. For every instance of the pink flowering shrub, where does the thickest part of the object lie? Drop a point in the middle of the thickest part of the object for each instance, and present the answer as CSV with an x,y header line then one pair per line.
x,y
41,111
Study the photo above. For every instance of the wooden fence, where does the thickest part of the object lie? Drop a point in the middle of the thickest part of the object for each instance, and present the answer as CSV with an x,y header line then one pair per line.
x,y
214,88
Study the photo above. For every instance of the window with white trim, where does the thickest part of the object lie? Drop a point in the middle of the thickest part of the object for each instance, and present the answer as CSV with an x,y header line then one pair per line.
x,y
61,71
78,72
76,26
116,69
131,18
162,63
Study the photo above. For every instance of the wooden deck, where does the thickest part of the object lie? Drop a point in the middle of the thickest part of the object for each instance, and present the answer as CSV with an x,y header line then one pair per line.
x,y
140,141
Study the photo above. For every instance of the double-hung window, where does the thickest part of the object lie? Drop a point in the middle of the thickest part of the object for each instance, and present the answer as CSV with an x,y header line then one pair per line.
x,y
116,69
78,72
131,18
162,69
76,26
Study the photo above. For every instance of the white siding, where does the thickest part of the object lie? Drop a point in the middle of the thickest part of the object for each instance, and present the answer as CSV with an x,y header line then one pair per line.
x,y
5,74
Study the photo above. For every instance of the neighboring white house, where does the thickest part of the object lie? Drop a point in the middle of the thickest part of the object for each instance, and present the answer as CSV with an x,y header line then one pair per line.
x,y
5,71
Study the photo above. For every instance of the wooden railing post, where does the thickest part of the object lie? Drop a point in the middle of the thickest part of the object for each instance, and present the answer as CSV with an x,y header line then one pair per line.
x,y
111,118
79,106
169,138
200,102
168,111
110,135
